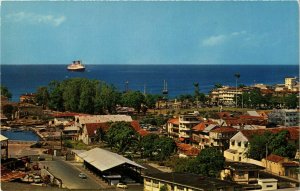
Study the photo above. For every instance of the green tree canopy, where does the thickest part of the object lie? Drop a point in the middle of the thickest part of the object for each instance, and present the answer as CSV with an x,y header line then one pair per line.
x,y
291,101
5,92
42,96
148,146
121,135
165,147
269,143
133,99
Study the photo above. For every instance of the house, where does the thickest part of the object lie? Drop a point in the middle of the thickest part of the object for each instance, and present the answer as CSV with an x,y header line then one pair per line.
x,y
186,150
239,143
282,166
186,182
219,137
238,147
173,128
186,123
88,132
201,131
240,172
285,117
27,98
71,132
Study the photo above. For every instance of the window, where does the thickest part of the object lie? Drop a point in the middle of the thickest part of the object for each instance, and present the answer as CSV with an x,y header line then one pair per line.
x,y
269,186
232,143
246,144
239,143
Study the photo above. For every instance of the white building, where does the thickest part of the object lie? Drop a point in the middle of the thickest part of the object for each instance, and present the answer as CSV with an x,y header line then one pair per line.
x,y
290,82
186,123
225,95
285,117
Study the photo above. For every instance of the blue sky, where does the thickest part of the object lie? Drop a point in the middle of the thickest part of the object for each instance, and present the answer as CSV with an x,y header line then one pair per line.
x,y
192,32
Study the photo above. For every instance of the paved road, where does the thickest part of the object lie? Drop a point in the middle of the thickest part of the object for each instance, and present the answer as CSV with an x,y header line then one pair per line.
x,y
69,175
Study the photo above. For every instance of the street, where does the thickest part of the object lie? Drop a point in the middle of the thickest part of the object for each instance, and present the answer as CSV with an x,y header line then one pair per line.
x,y
69,175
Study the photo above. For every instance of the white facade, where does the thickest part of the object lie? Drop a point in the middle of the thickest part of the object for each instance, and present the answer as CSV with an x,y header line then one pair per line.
x,y
238,147
186,123
285,117
267,184
290,82
225,95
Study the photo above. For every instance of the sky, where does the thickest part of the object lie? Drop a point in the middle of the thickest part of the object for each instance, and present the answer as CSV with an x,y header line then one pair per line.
x,y
152,32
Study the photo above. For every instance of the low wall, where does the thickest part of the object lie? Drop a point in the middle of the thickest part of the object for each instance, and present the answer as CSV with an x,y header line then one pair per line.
x,y
21,142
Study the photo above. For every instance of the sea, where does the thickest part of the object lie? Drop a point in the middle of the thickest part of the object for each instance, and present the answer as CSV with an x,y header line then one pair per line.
x,y
21,79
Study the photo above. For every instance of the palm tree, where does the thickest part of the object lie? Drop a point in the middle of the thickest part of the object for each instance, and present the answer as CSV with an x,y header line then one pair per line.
x,y
237,76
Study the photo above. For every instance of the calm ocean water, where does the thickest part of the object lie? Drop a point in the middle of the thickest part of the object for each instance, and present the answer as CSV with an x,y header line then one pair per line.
x,y
180,78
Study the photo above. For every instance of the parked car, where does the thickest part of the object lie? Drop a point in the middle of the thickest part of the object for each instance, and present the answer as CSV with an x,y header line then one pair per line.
x,y
121,185
82,175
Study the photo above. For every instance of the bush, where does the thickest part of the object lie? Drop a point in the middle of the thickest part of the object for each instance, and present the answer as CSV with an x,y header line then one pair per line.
x,y
67,143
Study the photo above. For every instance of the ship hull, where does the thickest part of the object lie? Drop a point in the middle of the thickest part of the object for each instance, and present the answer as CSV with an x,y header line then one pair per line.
x,y
76,70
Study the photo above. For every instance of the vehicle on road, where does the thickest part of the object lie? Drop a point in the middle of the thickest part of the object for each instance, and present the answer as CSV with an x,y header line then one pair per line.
x,y
121,185
82,175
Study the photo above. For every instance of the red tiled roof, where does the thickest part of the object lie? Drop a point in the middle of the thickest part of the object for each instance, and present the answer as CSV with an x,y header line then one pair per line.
x,y
192,152
275,158
201,126
92,127
293,132
188,149
224,130
143,132
174,121
136,125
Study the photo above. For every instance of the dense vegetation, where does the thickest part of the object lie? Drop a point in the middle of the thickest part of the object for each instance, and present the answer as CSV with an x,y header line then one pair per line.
x,y
270,143
123,138
254,99
90,96
209,162
5,92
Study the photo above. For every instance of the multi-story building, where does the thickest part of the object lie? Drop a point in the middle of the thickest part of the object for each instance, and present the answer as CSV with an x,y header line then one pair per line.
x,y
285,117
219,137
173,128
290,82
186,124
225,95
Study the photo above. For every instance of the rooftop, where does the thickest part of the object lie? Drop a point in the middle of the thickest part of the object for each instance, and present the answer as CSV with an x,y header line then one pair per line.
x,y
275,158
192,180
104,160
241,166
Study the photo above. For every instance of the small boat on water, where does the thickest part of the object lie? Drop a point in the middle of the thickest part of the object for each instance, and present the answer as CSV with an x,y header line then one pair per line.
x,y
76,66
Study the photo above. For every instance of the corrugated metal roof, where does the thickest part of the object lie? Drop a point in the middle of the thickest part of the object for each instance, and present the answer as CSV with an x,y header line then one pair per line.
x,y
3,138
253,113
104,160
209,128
